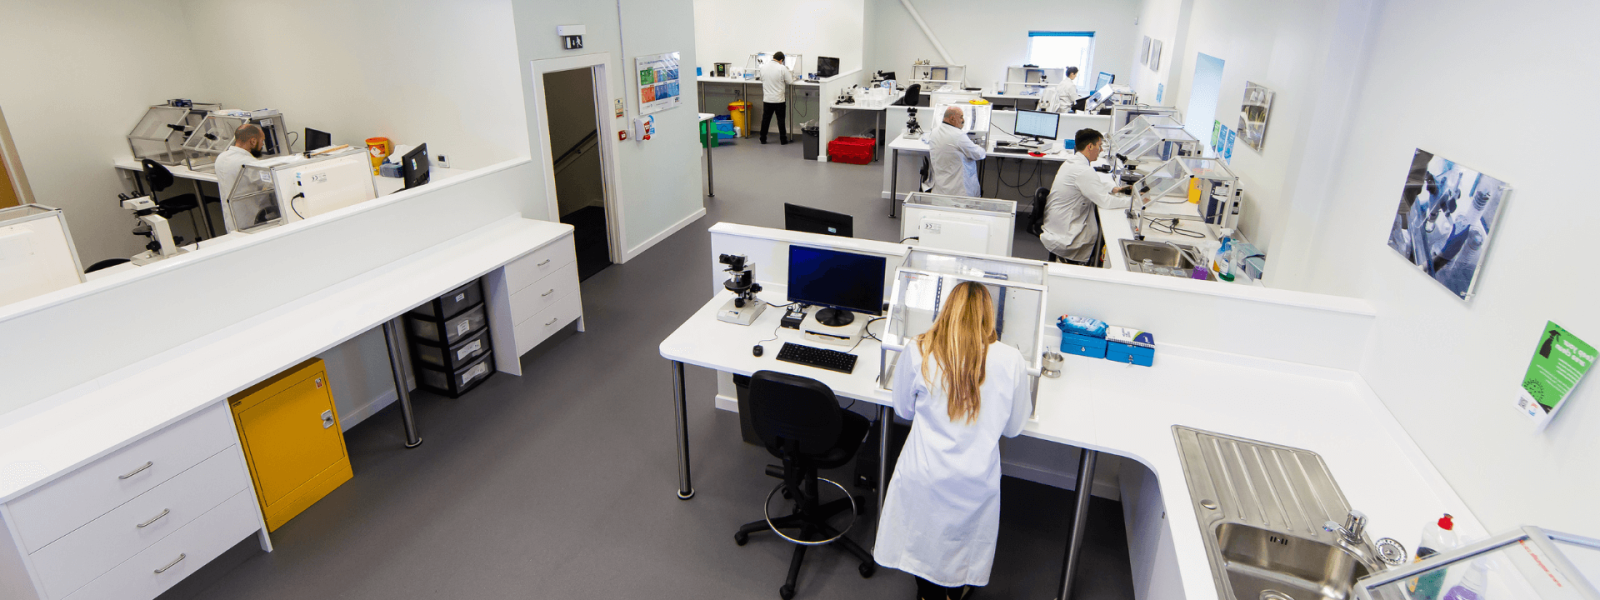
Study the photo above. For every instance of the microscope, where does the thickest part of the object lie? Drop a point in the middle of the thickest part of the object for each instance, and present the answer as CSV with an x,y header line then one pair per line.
x,y
745,306
154,226
913,130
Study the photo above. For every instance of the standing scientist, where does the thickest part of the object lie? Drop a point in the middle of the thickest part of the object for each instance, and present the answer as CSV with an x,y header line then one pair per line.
x,y
775,80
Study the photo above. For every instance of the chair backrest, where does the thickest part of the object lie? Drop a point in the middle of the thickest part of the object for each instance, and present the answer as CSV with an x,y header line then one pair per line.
x,y
913,95
789,410
157,174
1041,199
105,264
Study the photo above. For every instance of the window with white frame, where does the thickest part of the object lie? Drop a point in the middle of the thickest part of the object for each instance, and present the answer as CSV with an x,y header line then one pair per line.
x,y
1061,49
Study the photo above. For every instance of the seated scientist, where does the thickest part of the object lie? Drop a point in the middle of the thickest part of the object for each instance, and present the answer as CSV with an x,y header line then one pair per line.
x,y
248,141
954,157
1070,230
1061,96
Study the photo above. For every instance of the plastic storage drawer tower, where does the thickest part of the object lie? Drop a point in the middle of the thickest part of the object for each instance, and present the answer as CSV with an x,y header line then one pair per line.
x,y
450,349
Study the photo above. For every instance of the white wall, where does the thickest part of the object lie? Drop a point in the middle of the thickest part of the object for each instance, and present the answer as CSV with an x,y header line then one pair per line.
x,y
76,77
1163,20
1448,369
444,74
987,37
661,182
731,30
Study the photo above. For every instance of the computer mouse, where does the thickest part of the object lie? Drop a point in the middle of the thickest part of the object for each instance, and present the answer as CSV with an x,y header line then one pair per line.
x,y
756,351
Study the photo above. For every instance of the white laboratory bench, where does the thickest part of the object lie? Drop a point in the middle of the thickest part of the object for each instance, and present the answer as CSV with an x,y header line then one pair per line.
x,y
384,185
78,469
1295,398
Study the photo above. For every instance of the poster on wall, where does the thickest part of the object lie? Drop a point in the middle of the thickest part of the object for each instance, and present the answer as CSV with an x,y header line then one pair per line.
x,y
1217,137
1253,114
1161,90
1155,55
658,82
1446,217
1559,360
1144,54
1227,146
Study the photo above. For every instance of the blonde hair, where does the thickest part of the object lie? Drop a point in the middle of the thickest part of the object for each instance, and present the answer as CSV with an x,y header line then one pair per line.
x,y
959,342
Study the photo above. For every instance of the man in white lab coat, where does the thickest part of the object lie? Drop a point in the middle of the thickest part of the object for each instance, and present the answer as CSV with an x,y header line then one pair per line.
x,y
954,157
1060,97
1071,232
248,140
775,80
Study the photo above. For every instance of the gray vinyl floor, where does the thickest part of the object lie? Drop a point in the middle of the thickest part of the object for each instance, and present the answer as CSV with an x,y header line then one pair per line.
x,y
560,483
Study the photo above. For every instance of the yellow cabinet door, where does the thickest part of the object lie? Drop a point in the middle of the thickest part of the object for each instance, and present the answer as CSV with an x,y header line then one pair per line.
x,y
292,440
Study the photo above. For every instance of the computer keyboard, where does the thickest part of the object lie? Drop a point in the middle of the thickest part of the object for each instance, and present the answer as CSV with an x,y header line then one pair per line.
x,y
831,360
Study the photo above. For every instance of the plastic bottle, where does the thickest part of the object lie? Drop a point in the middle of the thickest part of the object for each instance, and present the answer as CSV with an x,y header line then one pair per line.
x,y
1472,586
1436,537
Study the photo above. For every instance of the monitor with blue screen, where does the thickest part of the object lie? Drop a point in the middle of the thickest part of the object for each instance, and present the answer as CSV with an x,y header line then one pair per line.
x,y
1105,79
1037,125
840,282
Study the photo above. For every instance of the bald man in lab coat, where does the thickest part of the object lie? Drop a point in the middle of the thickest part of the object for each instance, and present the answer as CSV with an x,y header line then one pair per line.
x,y
954,156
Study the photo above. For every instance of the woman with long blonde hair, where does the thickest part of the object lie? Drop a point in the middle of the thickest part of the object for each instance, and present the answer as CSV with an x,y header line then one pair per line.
x,y
962,389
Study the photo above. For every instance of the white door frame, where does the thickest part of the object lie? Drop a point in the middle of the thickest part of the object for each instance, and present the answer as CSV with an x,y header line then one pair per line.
x,y
604,95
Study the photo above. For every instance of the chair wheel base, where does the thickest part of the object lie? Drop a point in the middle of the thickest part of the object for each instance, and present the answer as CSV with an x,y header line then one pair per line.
x,y
867,569
786,592
741,538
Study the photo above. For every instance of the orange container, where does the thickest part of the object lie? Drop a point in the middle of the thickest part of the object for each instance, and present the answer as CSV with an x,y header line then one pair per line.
x,y
378,148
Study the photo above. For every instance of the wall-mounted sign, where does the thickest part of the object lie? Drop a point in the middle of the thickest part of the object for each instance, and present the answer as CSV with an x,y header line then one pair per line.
x,y
1559,361
1446,216
658,82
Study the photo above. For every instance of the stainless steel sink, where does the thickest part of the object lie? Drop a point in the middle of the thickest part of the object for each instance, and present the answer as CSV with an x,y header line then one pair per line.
x,y
1160,254
1261,509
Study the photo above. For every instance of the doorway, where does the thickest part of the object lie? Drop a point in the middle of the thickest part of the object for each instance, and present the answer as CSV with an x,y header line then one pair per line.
x,y
578,164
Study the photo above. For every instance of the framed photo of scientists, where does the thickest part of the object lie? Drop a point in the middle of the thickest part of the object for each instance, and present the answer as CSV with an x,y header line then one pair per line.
x,y
1447,215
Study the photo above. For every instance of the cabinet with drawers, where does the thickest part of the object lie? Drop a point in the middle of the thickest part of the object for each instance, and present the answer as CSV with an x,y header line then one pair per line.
x,y
532,298
169,492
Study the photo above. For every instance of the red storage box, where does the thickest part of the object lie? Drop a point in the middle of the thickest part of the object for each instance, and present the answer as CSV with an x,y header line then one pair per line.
x,y
851,150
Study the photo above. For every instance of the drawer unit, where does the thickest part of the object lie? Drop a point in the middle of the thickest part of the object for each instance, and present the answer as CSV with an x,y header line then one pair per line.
x,y
451,330
452,303
176,556
531,332
88,552
459,381
290,434
525,271
544,293
450,358
44,515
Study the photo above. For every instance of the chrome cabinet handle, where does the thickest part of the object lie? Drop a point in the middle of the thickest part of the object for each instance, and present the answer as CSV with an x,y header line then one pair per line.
x,y
546,262
552,291
155,518
147,464
552,321
172,564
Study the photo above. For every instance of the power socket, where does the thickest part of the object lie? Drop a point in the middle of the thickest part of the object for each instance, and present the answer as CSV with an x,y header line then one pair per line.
x,y
442,161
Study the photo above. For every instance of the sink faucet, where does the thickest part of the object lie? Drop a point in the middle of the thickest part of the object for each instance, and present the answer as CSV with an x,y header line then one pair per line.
x,y
1382,554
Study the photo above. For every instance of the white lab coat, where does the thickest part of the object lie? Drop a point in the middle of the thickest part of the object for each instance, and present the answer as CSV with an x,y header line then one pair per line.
x,y
1069,226
954,157
1059,97
942,515
228,165
775,80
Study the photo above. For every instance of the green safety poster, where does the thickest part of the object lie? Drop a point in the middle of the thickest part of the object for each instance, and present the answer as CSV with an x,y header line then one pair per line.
x,y
1559,361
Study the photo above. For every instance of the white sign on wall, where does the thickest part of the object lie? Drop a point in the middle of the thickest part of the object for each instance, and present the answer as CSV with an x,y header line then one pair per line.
x,y
658,82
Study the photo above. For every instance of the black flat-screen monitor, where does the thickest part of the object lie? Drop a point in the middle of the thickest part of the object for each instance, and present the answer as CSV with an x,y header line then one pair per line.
x,y
1104,80
415,166
1037,124
840,282
317,140
813,220
827,66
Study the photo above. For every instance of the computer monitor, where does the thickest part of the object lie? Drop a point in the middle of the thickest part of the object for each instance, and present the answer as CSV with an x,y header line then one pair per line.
x,y
317,140
1105,79
840,282
827,66
415,166
812,220
1037,125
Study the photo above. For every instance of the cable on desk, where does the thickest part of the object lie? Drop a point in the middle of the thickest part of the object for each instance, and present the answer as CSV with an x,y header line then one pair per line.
x,y
1173,229
918,238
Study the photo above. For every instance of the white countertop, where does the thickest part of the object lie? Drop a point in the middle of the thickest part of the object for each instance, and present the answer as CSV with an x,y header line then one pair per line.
x,y
383,185
1130,410
71,429
743,81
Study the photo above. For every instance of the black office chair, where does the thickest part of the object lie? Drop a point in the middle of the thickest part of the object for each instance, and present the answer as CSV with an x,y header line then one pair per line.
x,y
160,179
800,421
105,264
913,95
